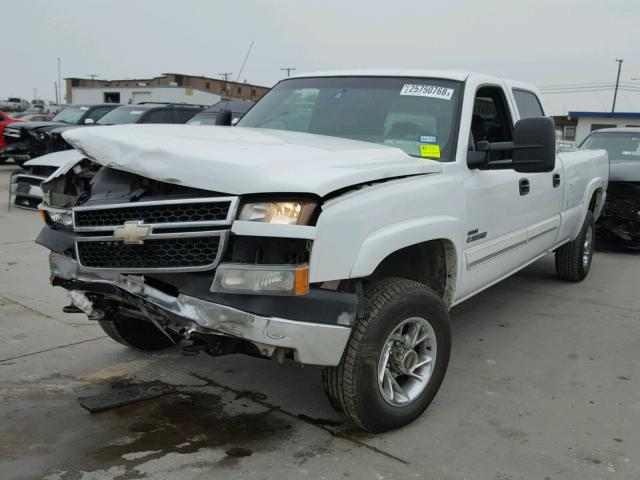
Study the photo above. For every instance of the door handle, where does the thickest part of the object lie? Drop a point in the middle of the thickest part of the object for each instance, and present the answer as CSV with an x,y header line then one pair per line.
x,y
556,180
524,186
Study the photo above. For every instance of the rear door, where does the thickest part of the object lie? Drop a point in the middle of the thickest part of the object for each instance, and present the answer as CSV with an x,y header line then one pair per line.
x,y
545,189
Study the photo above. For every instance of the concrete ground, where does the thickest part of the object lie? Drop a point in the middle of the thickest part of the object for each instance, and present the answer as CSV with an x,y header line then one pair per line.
x,y
543,384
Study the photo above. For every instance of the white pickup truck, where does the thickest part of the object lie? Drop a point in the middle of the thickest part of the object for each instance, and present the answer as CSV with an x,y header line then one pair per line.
x,y
335,225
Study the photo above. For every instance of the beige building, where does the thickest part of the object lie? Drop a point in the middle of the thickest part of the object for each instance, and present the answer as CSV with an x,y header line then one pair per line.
x,y
169,87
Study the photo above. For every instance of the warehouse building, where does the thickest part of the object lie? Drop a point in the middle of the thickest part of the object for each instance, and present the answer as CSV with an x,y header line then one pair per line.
x,y
169,87
590,121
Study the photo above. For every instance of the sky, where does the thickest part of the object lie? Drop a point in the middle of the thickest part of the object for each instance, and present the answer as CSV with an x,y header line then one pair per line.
x,y
570,43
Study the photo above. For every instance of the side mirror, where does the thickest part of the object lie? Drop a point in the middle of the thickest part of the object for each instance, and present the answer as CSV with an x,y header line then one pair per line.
x,y
89,121
535,140
224,118
533,148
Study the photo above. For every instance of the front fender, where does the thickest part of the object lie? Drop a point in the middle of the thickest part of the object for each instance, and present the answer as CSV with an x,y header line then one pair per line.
x,y
388,240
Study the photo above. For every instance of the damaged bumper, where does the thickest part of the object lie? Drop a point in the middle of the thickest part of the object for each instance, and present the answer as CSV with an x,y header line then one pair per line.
x,y
620,221
311,343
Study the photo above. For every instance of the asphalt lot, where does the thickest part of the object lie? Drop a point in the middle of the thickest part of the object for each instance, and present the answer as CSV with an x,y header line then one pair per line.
x,y
543,384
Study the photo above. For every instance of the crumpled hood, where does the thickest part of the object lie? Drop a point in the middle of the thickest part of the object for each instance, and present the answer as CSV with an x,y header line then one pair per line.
x,y
239,160
624,171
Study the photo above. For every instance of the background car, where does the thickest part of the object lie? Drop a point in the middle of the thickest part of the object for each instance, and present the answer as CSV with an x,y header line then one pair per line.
x,y
620,220
139,113
4,121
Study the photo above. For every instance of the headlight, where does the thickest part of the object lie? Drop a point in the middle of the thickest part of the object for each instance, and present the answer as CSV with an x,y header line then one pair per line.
x,y
295,212
59,216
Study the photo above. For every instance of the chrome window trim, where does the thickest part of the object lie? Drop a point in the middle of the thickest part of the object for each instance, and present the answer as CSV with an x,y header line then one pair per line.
x,y
231,214
223,234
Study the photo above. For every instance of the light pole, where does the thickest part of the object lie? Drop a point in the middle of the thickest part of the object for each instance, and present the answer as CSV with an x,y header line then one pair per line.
x,y
59,87
615,93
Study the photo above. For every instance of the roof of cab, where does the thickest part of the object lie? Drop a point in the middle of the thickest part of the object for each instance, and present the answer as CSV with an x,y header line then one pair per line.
x,y
457,75
418,73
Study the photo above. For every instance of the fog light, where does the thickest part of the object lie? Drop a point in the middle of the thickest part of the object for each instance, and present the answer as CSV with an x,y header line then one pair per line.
x,y
262,279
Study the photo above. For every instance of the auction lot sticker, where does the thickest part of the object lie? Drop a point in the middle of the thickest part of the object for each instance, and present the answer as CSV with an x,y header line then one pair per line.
x,y
430,151
427,91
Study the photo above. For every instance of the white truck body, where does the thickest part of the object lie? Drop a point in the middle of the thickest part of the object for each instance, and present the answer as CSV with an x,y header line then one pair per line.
x,y
324,236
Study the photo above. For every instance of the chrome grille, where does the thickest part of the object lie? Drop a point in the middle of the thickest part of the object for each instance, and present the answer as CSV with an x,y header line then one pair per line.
x,y
210,211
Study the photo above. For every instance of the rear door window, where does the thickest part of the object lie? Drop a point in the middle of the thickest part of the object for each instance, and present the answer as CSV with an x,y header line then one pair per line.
x,y
527,103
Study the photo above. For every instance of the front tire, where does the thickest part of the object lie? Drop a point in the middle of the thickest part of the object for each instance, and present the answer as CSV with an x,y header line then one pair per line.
x,y
396,358
573,259
137,333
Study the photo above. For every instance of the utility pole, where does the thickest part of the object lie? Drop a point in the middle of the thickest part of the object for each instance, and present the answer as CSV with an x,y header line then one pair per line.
x,y
55,87
226,76
92,77
288,70
35,93
59,87
615,93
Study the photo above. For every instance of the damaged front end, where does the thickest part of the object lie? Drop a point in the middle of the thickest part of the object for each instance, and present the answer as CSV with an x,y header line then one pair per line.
x,y
126,246
619,223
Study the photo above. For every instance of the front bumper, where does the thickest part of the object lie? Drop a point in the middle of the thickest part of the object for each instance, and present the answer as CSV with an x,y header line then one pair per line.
x,y
311,343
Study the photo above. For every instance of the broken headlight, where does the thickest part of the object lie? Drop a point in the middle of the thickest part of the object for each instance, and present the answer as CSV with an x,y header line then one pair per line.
x,y
58,216
292,212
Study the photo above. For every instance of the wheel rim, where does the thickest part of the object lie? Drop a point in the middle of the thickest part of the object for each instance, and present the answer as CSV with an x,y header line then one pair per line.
x,y
406,361
587,246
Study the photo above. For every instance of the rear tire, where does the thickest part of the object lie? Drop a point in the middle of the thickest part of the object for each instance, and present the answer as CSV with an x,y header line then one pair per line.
x,y
387,377
573,259
136,333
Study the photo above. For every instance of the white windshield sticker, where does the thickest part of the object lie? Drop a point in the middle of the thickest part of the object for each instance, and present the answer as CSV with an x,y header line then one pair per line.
x,y
427,91
84,108
135,112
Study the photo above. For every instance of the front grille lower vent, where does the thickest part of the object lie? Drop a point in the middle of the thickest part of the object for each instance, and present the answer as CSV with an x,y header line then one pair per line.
x,y
163,254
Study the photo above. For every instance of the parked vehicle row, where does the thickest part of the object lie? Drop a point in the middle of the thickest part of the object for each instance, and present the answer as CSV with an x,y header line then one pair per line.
x,y
33,146
336,224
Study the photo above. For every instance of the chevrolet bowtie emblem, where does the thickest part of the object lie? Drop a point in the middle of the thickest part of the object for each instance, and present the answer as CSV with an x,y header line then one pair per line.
x,y
132,232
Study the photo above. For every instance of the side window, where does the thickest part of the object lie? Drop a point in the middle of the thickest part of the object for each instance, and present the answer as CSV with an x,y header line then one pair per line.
x,y
183,115
491,119
97,113
527,103
159,116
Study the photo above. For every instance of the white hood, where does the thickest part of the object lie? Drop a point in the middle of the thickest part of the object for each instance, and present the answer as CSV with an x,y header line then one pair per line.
x,y
240,160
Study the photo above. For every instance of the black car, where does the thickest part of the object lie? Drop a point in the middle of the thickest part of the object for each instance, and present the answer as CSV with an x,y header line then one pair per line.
x,y
139,113
208,117
29,140
619,223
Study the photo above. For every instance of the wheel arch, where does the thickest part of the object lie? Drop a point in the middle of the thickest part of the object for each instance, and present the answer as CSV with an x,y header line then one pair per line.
x,y
400,252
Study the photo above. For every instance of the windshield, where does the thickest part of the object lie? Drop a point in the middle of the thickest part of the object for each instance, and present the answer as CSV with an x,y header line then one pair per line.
x,y
122,115
71,115
621,146
414,114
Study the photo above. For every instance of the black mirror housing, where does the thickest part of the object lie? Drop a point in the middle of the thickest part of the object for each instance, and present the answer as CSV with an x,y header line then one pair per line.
x,y
533,148
224,118
534,139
